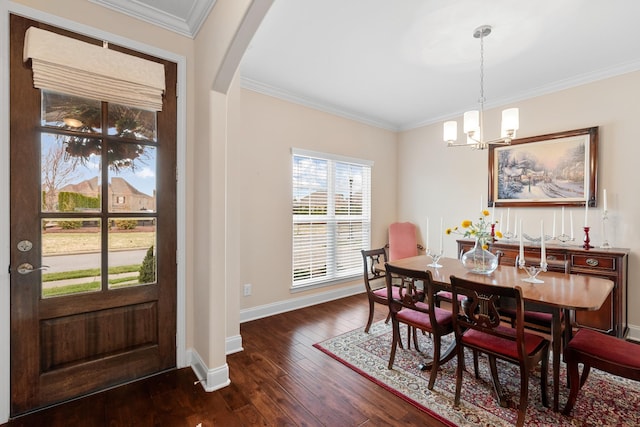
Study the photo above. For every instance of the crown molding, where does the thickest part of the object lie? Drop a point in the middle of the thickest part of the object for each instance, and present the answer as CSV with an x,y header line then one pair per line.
x,y
188,27
283,94
575,81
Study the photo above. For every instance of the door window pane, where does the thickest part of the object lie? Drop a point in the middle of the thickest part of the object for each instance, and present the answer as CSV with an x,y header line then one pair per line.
x,y
132,123
132,259
133,188
71,252
71,113
69,182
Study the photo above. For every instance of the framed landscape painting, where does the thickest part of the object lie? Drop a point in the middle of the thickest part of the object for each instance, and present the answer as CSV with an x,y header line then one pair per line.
x,y
558,169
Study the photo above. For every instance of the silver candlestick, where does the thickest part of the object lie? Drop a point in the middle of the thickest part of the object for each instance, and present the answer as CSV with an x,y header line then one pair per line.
x,y
605,242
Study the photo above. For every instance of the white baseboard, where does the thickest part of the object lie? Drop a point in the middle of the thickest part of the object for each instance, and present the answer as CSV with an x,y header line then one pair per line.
x,y
293,304
216,378
211,379
634,333
233,344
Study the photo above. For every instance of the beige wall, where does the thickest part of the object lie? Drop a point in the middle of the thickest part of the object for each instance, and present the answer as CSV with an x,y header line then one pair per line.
x,y
260,182
452,180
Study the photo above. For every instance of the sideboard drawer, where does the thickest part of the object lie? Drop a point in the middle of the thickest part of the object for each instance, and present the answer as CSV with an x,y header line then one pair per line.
x,y
596,262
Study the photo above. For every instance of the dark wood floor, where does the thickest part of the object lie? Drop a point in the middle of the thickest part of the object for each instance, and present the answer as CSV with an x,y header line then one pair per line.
x,y
278,380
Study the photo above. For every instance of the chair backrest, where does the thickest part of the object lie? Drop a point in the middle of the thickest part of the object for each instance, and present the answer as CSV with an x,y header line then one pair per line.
x,y
410,295
480,310
371,259
403,241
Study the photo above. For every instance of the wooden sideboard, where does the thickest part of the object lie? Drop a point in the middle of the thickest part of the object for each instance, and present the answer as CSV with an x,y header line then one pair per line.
x,y
610,264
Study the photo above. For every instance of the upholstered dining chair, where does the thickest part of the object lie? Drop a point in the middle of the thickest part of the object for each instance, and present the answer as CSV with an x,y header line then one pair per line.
x,y
374,281
477,326
409,308
600,351
537,318
403,241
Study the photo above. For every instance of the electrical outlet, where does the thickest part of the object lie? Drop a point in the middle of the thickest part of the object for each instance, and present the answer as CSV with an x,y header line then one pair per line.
x,y
247,289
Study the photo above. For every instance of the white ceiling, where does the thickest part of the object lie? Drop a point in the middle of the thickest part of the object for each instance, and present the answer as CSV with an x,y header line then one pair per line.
x,y
400,64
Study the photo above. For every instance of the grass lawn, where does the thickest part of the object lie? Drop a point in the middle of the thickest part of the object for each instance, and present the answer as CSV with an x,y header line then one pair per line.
x,y
68,243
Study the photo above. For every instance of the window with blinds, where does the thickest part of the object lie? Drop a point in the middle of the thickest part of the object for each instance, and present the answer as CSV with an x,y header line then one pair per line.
x,y
331,216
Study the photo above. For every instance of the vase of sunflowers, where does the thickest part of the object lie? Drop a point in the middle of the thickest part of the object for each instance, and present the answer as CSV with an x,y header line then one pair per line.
x,y
479,259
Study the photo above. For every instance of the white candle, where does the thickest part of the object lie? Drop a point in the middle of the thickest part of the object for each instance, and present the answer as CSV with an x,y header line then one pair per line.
x,y
521,260
553,229
562,227
586,213
571,223
441,233
543,251
515,225
426,240
508,209
604,204
501,221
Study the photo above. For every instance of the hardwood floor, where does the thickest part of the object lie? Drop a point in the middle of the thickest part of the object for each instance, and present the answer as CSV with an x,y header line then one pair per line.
x,y
278,380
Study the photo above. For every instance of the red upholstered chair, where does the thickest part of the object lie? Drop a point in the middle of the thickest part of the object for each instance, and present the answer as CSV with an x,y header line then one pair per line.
x,y
403,240
416,308
539,318
597,350
477,326
374,280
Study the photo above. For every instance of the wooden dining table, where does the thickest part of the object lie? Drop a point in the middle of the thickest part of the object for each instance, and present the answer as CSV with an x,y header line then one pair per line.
x,y
559,292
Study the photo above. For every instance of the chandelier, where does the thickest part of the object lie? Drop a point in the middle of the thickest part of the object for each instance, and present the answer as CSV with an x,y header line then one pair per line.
x,y
474,120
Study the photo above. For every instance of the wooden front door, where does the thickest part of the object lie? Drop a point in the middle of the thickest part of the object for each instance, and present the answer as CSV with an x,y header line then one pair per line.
x,y
93,237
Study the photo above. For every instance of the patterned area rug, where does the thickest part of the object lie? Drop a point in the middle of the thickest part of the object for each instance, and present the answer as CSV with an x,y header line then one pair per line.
x,y
605,400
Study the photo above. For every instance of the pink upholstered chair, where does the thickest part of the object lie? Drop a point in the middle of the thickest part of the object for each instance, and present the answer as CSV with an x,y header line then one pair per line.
x,y
403,240
600,351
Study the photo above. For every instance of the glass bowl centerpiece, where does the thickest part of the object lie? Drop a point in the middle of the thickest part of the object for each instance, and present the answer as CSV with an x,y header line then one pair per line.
x,y
478,260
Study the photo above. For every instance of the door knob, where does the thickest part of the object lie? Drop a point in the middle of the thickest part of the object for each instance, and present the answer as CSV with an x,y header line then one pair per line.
x,y
26,268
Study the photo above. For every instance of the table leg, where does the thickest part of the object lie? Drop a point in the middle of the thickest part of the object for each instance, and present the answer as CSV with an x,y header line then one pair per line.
x,y
556,345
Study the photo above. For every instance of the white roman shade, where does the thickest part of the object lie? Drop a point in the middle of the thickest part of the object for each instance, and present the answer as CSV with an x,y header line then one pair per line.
x,y
66,65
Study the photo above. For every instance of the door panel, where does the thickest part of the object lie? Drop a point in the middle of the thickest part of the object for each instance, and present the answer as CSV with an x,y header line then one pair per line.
x,y
93,238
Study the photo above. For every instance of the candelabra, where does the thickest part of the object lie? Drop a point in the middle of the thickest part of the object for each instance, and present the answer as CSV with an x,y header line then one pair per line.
x,y
605,242
564,238
435,257
532,270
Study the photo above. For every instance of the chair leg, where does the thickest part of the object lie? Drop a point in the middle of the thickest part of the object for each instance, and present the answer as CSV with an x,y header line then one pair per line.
x,y
436,362
574,380
524,395
459,369
394,344
476,370
496,382
415,339
544,380
371,310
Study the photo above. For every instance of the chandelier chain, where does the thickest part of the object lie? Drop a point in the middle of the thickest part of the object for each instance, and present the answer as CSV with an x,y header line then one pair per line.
x,y
481,100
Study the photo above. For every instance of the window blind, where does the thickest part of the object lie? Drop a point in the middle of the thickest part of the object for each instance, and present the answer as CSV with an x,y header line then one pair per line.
x,y
331,216
66,65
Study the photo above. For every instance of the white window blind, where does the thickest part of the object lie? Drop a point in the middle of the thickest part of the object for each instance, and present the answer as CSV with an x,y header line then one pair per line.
x,y
66,65
331,216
